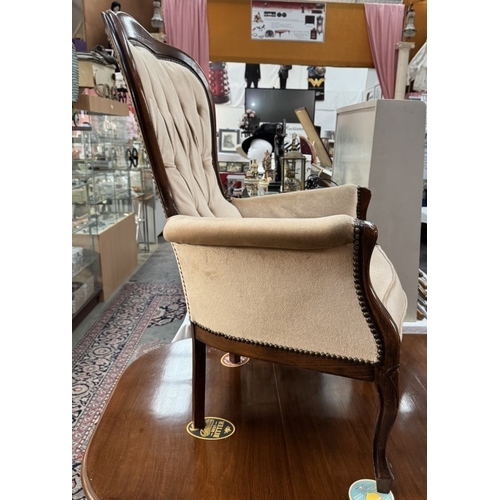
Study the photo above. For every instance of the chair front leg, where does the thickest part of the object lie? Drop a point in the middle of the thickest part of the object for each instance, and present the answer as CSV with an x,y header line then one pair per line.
x,y
199,377
387,383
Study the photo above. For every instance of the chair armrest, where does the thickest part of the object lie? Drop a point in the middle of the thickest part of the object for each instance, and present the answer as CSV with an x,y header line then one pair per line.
x,y
291,234
296,283
345,199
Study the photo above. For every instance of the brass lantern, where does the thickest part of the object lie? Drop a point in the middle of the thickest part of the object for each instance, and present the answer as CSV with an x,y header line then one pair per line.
x,y
294,172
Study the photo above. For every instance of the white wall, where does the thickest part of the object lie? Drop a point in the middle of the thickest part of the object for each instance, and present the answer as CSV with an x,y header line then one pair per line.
x,y
343,87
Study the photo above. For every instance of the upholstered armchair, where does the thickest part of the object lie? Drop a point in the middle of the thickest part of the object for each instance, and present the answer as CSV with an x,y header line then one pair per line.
x,y
294,278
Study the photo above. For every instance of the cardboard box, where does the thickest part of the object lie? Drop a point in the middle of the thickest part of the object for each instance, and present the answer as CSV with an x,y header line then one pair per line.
x,y
104,74
101,105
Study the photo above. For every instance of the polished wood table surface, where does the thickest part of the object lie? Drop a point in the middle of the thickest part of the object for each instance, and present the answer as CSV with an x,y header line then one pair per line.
x,y
299,434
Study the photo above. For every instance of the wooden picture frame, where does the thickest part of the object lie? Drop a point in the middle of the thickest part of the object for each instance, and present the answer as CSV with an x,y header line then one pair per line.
x,y
228,140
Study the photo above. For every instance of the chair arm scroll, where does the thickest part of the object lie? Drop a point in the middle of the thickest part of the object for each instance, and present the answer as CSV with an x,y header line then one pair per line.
x,y
290,234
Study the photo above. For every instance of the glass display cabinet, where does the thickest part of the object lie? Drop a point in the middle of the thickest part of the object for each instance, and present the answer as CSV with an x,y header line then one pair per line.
x,y
86,270
104,221
101,171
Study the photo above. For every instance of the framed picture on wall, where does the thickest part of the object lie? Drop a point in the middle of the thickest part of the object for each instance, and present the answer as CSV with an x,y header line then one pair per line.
x,y
228,140
235,166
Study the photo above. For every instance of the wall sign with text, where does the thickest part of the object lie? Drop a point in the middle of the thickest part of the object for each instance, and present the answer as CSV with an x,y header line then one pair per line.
x,y
288,21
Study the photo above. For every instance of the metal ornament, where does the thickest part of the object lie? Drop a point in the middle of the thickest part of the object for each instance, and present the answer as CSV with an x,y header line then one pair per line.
x,y
156,20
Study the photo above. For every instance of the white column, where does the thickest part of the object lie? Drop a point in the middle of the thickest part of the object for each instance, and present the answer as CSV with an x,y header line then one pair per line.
x,y
402,68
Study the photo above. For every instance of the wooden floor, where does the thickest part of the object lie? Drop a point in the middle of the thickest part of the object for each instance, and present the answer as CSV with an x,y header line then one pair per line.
x,y
299,434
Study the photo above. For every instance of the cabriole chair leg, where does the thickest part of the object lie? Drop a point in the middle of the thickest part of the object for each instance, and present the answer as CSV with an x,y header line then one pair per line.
x,y
388,391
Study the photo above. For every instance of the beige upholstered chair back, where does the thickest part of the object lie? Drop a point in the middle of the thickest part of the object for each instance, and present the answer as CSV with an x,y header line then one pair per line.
x,y
176,115
183,127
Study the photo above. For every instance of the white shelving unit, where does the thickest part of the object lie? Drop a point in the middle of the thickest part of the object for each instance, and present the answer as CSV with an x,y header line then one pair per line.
x,y
380,145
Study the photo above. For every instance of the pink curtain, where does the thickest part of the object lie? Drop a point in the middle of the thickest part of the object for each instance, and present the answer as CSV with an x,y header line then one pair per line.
x,y
186,27
385,30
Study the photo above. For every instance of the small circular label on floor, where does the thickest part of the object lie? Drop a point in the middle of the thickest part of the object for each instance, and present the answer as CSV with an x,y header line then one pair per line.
x,y
226,361
366,489
215,428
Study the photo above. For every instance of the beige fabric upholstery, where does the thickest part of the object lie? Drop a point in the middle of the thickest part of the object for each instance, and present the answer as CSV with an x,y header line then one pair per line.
x,y
182,122
302,204
291,234
388,288
319,308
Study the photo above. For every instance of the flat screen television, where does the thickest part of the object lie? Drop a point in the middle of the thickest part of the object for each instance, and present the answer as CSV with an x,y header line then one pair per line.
x,y
276,105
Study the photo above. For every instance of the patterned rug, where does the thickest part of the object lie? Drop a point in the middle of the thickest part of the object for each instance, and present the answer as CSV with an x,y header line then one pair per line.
x,y
107,348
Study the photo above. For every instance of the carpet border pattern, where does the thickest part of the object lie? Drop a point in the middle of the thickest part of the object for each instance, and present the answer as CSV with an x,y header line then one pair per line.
x,y
104,352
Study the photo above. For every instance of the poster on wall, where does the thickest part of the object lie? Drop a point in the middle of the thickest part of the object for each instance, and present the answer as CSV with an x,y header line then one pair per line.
x,y
288,21
316,81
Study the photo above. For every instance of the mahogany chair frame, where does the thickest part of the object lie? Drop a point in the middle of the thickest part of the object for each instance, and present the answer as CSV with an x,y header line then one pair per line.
x,y
122,29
